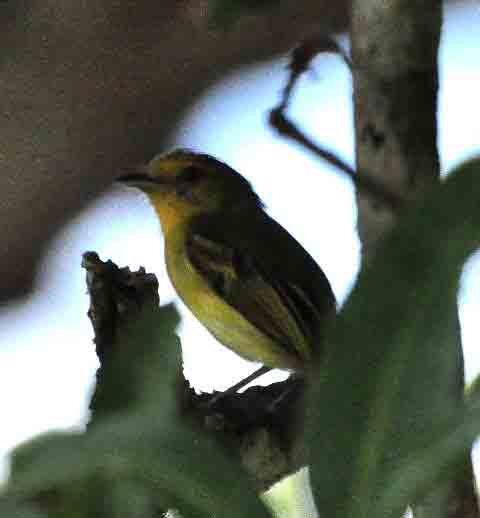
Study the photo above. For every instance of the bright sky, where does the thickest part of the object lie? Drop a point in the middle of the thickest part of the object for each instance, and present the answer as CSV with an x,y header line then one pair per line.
x,y
47,359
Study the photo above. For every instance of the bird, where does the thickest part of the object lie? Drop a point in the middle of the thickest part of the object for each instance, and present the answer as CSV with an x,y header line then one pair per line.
x,y
241,274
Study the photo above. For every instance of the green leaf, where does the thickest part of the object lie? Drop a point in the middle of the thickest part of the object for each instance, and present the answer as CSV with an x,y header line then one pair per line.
x,y
434,464
151,450
10,509
390,381
145,366
151,342
437,461
186,470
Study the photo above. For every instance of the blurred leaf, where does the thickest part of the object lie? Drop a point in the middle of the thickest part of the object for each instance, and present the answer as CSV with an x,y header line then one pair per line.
x,y
12,510
146,364
149,451
25,455
226,12
433,464
389,381
184,469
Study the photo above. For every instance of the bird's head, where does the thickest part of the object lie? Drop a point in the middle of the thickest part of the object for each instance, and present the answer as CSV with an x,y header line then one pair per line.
x,y
182,184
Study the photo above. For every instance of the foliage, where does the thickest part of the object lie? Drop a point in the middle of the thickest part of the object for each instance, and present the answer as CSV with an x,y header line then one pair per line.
x,y
384,420
146,457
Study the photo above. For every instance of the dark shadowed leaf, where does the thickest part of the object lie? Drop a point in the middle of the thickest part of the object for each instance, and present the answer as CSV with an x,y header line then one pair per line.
x,y
146,453
146,364
12,510
389,383
431,465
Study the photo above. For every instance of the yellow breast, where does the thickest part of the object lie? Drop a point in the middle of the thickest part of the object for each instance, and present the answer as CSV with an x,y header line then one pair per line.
x,y
226,324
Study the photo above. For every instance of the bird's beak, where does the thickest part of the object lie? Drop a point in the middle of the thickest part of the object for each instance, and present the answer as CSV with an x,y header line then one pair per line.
x,y
140,178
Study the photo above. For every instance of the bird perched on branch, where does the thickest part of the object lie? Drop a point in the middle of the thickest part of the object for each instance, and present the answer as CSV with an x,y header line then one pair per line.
x,y
243,276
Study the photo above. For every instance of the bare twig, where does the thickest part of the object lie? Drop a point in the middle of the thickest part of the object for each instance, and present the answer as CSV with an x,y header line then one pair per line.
x,y
303,55
301,59
288,129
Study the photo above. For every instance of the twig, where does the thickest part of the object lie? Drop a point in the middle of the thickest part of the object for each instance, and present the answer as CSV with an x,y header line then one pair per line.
x,y
301,59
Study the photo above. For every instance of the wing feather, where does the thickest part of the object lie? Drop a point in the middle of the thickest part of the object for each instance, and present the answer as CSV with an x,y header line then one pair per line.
x,y
281,310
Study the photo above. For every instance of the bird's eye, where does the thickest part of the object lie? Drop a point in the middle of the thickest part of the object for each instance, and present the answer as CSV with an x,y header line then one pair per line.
x,y
191,174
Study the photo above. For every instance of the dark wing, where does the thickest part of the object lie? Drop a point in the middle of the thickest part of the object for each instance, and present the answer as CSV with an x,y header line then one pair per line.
x,y
277,306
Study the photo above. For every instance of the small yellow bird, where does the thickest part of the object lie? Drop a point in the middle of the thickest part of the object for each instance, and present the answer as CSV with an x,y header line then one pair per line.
x,y
244,277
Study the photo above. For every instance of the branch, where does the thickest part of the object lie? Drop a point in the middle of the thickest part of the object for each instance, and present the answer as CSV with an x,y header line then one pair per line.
x,y
395,82
395,77
301,59
262,425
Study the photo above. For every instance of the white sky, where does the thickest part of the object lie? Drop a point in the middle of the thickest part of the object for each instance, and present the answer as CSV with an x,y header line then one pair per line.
x,y
47,359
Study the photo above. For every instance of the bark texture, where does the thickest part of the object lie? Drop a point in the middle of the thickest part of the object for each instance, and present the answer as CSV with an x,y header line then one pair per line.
x,y
394,54
395,72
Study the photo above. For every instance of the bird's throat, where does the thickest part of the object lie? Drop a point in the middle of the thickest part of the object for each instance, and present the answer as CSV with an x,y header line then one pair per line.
x,y
170,215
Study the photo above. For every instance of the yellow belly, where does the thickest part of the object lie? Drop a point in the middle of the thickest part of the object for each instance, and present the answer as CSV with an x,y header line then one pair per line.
x,y
225,323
